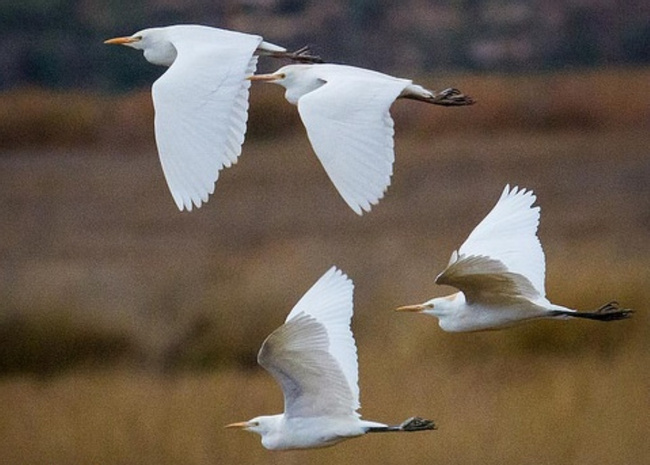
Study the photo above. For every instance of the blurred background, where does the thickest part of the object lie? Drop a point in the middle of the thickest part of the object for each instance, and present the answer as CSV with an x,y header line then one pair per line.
x,y
129,330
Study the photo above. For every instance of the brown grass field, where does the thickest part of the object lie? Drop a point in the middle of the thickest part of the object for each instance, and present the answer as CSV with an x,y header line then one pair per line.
x,y
128,330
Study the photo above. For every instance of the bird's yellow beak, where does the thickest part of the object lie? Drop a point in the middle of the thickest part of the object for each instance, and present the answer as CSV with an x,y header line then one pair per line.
x,y
264,77
411,308
240,425
122,40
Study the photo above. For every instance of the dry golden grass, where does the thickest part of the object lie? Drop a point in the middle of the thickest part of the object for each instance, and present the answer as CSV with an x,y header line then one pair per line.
x,y
615,98
581,409
92,246
547,101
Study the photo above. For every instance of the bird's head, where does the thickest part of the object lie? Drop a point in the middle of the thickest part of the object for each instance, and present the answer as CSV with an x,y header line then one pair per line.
x,y
284,76
297,79
153,42
438,306
426,307
137,40
260,425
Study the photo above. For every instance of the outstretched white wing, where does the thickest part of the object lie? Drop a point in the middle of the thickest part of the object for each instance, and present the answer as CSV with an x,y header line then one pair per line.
x,y
201,106
313,355
350,129
503,252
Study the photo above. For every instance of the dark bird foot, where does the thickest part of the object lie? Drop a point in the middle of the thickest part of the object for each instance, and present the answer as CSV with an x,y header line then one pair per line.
x,y
611,311
452,98
417,424
608,312
301,55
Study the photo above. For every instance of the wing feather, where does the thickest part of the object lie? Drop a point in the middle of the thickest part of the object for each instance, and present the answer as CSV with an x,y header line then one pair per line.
x,y
330,302
508,236
201,105
350,129
486,281
297,355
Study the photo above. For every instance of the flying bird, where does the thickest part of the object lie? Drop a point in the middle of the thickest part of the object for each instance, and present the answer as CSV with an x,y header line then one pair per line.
x,y
346,113
314,359
500,273
201,101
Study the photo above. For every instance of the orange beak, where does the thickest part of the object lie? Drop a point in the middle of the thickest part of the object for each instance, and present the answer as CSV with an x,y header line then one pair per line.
x,y
263,77
411,308
121,40
240,425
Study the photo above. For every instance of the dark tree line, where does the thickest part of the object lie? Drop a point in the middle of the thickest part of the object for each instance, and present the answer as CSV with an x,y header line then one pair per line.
x,y
58,43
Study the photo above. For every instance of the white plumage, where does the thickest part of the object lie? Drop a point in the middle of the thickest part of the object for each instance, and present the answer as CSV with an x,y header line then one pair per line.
x,y
314,359
330,302
201,101
345,111
500,272
509,234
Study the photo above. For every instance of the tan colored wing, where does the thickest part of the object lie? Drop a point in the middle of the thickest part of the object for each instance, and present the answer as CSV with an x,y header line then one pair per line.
x,y
508,234
484,280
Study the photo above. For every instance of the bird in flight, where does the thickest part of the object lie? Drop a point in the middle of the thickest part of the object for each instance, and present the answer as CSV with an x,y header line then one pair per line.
x,y
314,359
500,272
201,101
345,111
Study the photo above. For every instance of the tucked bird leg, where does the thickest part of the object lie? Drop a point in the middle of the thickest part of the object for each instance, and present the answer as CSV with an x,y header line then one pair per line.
x,y
449,97
301,55
452,97
408,426
608,312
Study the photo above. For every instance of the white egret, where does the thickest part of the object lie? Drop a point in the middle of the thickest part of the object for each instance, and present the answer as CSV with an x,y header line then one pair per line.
x,y
314,358
201,101
346,113
500,273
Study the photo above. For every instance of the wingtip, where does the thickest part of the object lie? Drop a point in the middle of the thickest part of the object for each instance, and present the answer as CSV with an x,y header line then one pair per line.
x,y
190,203
182,206
517,191
360,207
335,272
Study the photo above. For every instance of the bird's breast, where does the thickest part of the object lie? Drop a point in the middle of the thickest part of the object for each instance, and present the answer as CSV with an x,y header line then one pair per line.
x,y
483,317
311,433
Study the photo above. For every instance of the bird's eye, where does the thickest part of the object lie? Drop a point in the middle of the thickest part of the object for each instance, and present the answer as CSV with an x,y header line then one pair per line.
x,y
255,423
282,75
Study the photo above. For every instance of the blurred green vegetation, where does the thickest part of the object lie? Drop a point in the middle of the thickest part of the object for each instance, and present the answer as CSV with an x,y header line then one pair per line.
x,y
45,346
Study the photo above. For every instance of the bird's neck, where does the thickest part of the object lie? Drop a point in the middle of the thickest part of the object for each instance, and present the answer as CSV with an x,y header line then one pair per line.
x,y
448,304
162,52
301,87
273,435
